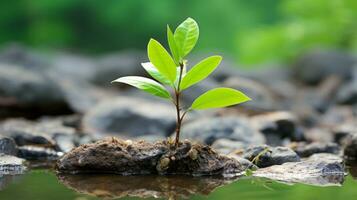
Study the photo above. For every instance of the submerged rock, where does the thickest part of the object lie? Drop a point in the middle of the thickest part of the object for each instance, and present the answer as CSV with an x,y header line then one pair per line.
x,y
168,187
321,170
8,146
138,158
11,165
306,150
208,130
265,156
130,117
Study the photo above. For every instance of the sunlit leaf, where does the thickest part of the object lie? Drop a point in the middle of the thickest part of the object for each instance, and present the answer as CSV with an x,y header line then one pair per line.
x,y
219,97
173,46
186,36
200,71
162,60
149,67
145,84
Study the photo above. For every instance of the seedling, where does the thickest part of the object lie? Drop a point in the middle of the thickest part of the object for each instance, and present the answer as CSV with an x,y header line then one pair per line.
x,y
171,71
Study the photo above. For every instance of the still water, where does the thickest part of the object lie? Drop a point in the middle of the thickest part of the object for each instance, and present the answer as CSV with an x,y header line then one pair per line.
x,y
44,184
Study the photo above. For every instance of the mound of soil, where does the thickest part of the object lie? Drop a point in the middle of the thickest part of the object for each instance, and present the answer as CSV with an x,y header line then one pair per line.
x,y
137,158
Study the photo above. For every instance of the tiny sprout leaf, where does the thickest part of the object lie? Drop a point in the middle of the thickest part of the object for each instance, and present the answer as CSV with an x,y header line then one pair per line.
x,y
200,71
219,97
173,46
186,36
162,60
145,84
149,67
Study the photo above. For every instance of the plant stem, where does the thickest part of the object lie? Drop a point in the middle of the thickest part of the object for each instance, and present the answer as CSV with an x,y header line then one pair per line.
x,y
178,109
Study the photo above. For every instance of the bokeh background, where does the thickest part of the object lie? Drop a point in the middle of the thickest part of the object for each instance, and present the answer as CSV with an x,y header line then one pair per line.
x,y
250,32
295,58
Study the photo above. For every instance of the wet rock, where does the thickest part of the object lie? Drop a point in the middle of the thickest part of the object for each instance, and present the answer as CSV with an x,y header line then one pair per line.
x,y
226,146
27,90
74,67
208,130
246,164
350,150
15,54
263,98
38,153
11,165
168,187
115,65
138,158
8,146
306,150
130,117
348,92
315,66
265,156
322,170
45,133
281,124
80,96
318,134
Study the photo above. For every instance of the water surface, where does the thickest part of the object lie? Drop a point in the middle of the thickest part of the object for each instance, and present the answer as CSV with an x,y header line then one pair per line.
x,y
43,185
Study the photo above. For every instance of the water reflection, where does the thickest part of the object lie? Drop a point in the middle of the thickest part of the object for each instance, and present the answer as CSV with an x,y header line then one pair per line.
x,y
6,180
114,186
353,171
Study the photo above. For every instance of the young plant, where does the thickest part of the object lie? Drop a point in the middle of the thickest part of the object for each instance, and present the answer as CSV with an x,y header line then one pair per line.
x,y
170,71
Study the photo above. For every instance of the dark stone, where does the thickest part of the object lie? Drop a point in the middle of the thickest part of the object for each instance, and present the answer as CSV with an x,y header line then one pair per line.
x,y
350,150
347,94
115,65
130,117
46,133
281,124
226,146
264,100
265,156
315,66
15,54
321,170
29,91
38,153
8,146
306,150
129,158
208,130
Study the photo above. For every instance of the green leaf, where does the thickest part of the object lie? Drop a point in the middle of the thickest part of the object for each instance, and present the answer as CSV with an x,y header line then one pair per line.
x,y
186,36
200,71
173,46
149,67
145,84
219,97
162,60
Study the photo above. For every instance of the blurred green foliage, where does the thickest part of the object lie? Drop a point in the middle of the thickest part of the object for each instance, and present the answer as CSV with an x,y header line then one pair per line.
x,y
98,26
252,31
305,24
